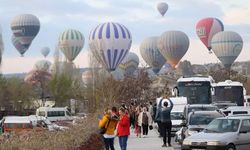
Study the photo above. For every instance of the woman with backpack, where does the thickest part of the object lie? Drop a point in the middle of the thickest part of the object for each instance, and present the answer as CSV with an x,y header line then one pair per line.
x,y
109,122
145,120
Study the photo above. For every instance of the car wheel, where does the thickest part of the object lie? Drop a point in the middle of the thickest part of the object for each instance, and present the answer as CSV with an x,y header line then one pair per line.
x,y
230,147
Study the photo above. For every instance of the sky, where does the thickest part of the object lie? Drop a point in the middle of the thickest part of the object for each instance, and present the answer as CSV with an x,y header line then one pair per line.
x,y
139,16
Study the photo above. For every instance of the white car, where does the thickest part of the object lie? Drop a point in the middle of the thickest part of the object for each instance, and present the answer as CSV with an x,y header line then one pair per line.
x,y
225,133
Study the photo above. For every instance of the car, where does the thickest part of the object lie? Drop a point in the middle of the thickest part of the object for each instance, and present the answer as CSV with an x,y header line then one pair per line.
x,y
55,114
224,133
198,107
176,118
234,110
197,121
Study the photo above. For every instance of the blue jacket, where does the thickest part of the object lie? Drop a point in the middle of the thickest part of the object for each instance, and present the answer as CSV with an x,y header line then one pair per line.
x,y
166,112
158,111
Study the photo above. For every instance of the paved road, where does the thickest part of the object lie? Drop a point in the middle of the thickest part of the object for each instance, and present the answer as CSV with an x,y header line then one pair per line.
x,y
152,142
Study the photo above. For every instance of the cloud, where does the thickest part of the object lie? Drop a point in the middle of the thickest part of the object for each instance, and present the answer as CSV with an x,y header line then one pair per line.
x,y
237,16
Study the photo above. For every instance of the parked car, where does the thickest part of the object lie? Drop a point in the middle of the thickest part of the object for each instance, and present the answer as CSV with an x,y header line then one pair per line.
x,y
235,110
225,133
197,121
197,107
177,119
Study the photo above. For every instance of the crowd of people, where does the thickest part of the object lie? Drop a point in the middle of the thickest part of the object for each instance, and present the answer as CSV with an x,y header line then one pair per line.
x,y
139,118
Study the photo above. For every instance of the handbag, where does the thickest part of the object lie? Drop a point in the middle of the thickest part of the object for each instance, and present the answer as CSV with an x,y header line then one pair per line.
x,y
104,129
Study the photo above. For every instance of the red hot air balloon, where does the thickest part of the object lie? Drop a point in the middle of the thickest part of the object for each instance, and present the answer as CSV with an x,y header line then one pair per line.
x,y
207,28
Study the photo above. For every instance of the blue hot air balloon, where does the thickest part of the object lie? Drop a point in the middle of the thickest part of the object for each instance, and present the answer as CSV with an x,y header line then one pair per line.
x,y
25,27
45,51
151,53
110,42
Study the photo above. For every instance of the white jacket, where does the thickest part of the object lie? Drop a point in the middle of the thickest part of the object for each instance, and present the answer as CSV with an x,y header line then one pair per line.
x,y
150,121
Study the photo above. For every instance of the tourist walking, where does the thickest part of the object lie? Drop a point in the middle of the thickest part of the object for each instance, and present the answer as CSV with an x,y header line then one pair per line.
x,y
145,120
166,123
123,128
109,121
137,126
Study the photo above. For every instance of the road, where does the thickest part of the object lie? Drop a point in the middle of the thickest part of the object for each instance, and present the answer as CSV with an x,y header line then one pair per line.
x,y
151,142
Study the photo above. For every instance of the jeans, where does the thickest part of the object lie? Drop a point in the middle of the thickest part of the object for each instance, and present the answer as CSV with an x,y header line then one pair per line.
x,y
123,142
166,127
109,143
145,129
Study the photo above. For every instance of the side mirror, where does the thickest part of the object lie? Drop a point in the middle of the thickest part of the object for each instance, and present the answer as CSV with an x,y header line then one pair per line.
x,y
212,91
243,131
175,91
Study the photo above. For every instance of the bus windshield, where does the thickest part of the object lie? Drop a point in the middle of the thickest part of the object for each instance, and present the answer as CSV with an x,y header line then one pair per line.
x,y
196,92
233,94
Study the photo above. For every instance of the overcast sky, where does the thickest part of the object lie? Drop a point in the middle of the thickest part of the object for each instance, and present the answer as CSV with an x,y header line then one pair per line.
x,y
139,16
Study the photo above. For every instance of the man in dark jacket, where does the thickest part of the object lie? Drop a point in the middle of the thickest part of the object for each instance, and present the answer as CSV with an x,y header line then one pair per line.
x,y
166,122
157,116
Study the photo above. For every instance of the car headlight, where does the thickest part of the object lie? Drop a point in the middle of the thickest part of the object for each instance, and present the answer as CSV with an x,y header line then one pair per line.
x,y
191,132
187,142
215,143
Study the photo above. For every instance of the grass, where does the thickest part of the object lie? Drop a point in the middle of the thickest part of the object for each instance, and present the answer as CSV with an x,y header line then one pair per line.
x,y
80,137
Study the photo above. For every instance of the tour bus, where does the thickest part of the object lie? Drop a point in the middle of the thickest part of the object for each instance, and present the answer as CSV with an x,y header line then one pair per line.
x,y
55,113
197,89
228,92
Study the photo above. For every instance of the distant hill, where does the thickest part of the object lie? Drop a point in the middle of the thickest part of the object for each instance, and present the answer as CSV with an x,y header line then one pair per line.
x,y
14,75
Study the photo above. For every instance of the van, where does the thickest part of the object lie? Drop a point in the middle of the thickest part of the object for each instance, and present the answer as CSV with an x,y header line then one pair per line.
x,y
236,110
54,113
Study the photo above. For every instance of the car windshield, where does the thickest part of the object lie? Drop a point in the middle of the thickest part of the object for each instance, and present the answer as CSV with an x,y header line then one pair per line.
x,y
203,119
176,115
223,125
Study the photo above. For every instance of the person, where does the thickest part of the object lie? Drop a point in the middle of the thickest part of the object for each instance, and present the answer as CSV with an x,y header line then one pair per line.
x,y
132,115
109,121
123,128
166,122
150,109
157,115
145,120
137,126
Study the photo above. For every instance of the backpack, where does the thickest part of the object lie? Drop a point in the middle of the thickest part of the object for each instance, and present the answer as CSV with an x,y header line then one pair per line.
x,y
144,118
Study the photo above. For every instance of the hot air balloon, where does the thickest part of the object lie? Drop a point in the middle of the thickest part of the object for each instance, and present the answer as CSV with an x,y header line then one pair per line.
x,y
45,51
17,44
207,28
42,65
25,27
173,46
71,43
227,46
129,64
110,42
151,54
162,7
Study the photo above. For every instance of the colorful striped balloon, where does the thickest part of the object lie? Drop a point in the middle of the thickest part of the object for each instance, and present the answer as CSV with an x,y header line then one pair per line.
x,y
71,43
151,54
110,42
227,46
207,28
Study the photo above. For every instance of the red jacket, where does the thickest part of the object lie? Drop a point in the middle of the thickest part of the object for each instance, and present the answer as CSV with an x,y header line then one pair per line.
x,y
123,126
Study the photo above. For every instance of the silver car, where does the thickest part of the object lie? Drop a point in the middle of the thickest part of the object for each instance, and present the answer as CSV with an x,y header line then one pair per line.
x,y
225,133
197,121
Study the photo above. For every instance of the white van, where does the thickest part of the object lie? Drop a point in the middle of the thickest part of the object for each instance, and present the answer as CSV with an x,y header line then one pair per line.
x,y
236,110
54,113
